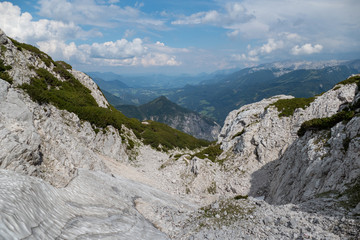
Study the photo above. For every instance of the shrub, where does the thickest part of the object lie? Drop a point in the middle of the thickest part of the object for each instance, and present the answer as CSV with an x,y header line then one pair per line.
x,y
211,152
239,133
350,80
63,64
3,74
286,107
325,123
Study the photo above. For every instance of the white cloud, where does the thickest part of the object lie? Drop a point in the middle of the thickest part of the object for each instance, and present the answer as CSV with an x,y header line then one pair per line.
x,y
266,48
119,53
233,13
51,37
22,27
306,49
119,49
93,13
262,19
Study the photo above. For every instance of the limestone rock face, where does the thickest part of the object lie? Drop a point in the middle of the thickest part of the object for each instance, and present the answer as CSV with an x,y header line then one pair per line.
x,y
20,144
319,164
44,141
255,135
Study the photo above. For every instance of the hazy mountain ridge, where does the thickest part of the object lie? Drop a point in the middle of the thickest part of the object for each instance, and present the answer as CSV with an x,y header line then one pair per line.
x,y
217,96
165,111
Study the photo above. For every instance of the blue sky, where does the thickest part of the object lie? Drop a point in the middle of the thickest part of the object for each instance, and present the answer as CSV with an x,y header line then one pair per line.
x,y
171,37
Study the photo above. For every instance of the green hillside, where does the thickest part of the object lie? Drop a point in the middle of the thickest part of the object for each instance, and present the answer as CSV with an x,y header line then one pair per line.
x,y
74,97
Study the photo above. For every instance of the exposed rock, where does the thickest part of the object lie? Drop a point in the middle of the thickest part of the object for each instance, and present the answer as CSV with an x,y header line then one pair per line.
x,y
20,144
255,135
90,84
111,192
93,206
321,164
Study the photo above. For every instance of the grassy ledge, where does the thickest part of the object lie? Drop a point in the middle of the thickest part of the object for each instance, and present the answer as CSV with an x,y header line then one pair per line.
x,y
211,152
3,74
350,80
318,124
286,107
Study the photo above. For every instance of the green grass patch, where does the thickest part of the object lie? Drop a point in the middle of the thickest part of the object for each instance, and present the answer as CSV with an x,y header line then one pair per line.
x,y
318,124
212,188
211,152
238,197
350,80
286,107
239,134
3,74
64,65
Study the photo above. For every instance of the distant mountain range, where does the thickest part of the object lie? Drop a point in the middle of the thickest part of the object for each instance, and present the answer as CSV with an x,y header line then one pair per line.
x,y
222,92
163,110
154,81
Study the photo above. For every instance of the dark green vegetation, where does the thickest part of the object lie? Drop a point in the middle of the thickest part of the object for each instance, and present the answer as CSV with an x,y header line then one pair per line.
x,y
64,65
43,56
286,107
239,134
211,152
347,114
318,124
157,133
3,74
71,95
238,197
351,80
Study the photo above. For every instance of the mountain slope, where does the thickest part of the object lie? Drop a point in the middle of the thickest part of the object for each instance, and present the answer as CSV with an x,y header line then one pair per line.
x,y
246,86
102,181
163,110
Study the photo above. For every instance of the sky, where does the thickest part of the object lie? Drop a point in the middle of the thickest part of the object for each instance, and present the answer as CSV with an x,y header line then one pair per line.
x,y
187,36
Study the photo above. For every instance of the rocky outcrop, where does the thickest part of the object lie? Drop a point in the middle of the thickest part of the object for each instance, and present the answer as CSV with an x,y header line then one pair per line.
x,y
89,182
320,164
255,134
20,143
43,141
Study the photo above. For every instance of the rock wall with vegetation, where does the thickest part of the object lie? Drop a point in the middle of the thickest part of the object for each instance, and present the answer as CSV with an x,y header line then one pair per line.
x,y
260,133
